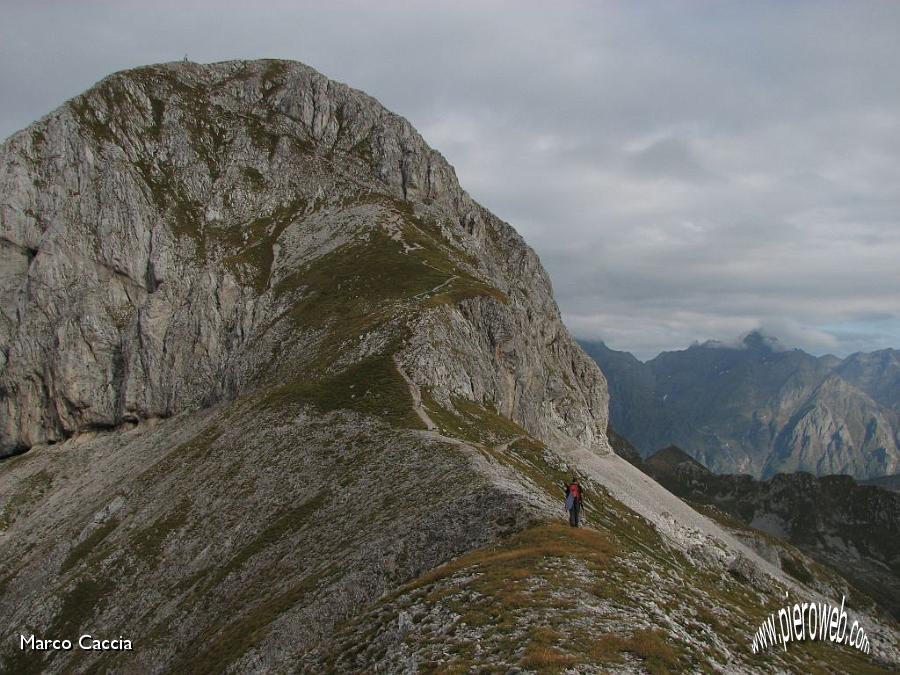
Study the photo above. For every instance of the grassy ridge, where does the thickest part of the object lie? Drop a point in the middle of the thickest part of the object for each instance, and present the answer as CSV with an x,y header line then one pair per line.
x,y
368,286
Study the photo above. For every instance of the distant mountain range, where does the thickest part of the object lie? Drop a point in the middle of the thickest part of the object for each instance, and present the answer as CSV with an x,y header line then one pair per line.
x,y
820,516
758,408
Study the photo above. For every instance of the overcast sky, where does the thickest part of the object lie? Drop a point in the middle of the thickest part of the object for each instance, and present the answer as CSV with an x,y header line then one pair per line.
x,y
686,170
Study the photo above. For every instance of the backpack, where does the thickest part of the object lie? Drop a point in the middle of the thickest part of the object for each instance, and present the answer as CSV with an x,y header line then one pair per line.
x,y
575,491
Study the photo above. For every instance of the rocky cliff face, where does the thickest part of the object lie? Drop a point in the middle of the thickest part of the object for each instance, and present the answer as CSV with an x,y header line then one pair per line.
x,y
760,409
229,295
163,234
839,429
876,373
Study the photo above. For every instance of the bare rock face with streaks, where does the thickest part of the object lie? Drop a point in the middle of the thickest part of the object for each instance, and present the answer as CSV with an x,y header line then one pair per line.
x,y
153,229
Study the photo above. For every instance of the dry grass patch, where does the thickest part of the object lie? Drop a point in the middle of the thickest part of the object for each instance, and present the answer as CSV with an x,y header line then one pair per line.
x,y
544,635
650,646
546,659
517,556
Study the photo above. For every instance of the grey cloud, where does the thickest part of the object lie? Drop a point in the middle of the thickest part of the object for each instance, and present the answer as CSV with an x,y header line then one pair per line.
x,y
686,171
669,158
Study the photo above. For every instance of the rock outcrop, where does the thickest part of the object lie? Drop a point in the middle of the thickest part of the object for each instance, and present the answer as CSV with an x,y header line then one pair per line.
x,y
154,231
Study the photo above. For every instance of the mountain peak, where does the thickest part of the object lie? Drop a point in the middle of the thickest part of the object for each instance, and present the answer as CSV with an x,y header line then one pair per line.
x,y
755,340
241,224
758,341
745,406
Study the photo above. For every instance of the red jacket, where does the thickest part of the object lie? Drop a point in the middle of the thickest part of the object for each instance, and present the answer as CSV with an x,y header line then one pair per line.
x,y
577,490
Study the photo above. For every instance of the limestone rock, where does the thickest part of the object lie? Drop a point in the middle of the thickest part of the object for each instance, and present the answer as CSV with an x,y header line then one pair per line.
x,y
153,233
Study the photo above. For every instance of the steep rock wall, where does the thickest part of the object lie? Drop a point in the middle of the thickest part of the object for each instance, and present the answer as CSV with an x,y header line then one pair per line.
x,y
150,227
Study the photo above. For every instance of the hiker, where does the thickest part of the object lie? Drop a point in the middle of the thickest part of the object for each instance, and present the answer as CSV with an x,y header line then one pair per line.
x,y
574,501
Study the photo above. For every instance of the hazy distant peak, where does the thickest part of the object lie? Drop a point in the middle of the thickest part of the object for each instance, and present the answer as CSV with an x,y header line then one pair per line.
x,y
755,340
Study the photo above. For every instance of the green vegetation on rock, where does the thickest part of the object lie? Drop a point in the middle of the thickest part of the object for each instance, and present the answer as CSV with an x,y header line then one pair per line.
x,y
371,386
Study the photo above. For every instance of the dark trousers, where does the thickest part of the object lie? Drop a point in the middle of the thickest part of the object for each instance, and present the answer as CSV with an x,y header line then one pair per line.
x,y
574,514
